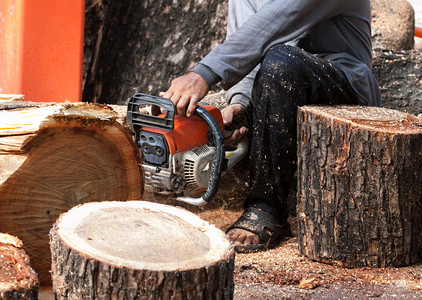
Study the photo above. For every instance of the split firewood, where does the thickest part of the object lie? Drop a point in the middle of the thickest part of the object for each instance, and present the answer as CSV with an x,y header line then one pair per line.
x,y
55,157
139,250
17,278
359,186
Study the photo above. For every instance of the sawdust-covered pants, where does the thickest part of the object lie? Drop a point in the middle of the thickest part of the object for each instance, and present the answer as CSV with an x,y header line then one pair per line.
x,y
289,77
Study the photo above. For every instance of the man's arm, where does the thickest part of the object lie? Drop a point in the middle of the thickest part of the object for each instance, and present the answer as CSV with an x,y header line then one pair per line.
x,y
278,21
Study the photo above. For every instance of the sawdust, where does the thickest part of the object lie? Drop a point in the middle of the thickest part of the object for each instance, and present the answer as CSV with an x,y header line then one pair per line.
x,y
284,266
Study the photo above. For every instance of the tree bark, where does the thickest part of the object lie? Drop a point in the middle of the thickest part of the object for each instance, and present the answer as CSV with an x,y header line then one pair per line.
x,y
392,24
143,45
139,250
17,278
399,75
359,186
55,157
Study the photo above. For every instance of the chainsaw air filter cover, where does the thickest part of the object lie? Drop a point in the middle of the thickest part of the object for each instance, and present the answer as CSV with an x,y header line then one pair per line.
x,y
154,148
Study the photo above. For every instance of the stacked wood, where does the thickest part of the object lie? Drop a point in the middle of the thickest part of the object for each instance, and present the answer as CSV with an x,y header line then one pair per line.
x,y
17,278
55,157
359,186
139,250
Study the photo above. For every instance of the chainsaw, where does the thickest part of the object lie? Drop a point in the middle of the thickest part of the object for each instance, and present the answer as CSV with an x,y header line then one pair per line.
x,y
183,157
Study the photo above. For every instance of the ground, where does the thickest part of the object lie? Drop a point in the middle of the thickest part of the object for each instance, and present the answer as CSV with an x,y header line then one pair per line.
x,y
283,273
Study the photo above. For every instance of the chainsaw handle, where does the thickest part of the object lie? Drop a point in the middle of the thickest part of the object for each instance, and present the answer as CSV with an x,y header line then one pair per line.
x,y
217,164
136,118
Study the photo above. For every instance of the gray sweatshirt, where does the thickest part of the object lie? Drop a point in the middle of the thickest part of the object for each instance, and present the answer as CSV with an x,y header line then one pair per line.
x,y
336,30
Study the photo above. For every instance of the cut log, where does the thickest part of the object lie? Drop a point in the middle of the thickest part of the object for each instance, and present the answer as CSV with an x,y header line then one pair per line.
x,y
17,278
55,157
359,186
139,250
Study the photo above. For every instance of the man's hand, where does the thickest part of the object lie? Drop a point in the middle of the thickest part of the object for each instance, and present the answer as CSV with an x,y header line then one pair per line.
x,y
185,92
234,116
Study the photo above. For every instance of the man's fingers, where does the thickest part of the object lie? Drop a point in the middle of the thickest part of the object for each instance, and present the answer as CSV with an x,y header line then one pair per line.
x,y
233,138
227,118
184,105
185,92
238,135
181,105
243,130
168,94
176,99
228,114
192,106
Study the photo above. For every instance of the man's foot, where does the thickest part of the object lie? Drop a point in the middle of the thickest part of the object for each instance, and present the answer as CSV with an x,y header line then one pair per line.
x,y
242,237
256,230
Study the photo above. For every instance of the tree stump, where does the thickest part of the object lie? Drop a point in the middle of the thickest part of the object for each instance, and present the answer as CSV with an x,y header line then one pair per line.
x,y
55,157
359,186
17,278
139,250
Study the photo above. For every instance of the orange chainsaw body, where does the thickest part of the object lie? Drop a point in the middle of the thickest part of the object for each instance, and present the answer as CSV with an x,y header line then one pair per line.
x,y
188,132
182,156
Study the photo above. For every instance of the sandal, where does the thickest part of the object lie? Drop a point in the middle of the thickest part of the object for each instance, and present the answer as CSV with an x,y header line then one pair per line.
x,y
264,225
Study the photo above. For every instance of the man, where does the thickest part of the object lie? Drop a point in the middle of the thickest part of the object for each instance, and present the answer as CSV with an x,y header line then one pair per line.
x,y
293,52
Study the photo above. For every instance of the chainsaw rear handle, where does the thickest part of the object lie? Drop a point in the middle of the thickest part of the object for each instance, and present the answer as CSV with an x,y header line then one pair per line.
x,y
217,164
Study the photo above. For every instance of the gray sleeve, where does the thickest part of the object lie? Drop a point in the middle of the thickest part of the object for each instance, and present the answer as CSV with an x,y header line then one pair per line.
x,y
241,93
278,21
207,74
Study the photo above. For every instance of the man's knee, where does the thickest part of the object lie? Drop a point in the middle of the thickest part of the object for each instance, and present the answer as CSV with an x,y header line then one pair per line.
x,y
280,61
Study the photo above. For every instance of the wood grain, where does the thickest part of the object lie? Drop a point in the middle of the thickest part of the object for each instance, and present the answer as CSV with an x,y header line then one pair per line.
x,y
139,249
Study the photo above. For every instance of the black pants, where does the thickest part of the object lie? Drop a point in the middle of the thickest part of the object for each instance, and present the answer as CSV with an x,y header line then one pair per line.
x,y
289,77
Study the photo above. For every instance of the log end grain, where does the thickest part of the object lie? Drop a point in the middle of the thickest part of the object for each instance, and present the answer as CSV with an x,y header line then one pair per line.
x,y
142,235
370,118
155,249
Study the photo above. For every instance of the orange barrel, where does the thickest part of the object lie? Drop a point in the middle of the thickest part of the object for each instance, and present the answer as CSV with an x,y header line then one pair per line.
x,y
41,49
